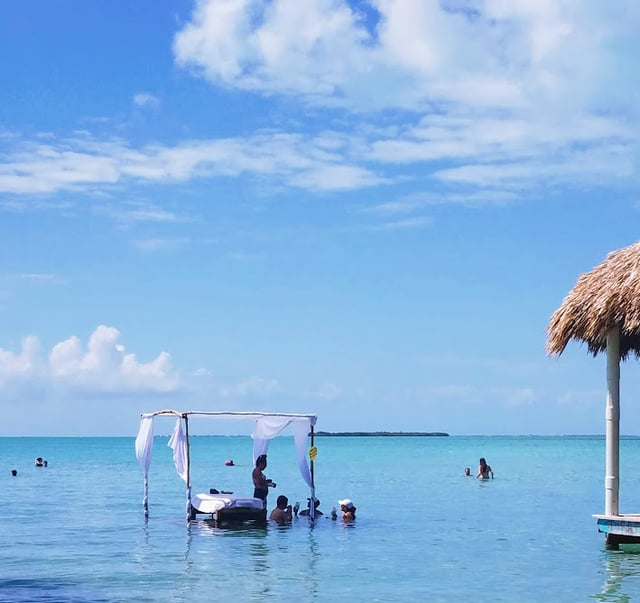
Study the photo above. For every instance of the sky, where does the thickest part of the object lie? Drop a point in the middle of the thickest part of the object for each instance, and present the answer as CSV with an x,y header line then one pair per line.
x,y
367,210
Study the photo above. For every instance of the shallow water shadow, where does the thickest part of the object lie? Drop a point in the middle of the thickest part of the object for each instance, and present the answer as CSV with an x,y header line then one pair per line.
x,y
314,555
227,529
30,591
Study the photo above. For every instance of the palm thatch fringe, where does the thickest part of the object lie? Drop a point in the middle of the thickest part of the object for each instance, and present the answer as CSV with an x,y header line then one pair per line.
x,y
607,297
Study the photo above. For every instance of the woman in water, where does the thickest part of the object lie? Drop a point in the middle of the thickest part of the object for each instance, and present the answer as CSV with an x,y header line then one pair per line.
x,y
348,509
484,470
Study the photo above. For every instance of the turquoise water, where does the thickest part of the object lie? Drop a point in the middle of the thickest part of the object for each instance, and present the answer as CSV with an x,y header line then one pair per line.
x,y
75,531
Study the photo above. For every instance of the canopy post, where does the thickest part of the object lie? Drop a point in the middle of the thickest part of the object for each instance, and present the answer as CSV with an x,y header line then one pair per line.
x,y
145,497
188,493
144,451
612,423
312,506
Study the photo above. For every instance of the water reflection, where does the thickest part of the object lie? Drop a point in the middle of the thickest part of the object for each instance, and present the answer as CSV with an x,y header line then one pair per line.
x,y
188,563
259,552
142,552
210,527
254,562
314,556
622,571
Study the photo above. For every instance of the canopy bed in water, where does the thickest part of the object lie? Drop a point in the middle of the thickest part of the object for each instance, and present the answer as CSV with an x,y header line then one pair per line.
x,y
225,506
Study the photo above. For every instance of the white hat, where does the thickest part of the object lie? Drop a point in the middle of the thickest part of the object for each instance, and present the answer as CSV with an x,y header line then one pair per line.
x,y
347,502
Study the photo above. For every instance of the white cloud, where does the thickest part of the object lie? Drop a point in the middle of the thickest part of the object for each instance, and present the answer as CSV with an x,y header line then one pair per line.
x,y
144,99
202,372
159,244
477,52
326,392
29,277
511,92
129,213
104,366
418,201
83,162
404,224
22,365
252,386
43,168
475,101
287,46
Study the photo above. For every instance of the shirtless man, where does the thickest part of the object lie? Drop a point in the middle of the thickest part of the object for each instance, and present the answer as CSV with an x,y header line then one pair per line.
x,y
307,511
261,484
282,512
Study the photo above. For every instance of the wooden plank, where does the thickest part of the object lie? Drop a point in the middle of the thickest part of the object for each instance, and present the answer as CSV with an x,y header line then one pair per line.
x,y
623,525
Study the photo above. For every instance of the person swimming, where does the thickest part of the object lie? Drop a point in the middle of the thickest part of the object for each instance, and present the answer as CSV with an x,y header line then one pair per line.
x,y
484,470
307,511
282,512
348,509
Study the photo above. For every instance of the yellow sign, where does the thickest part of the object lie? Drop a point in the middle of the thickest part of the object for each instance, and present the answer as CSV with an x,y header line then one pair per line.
x,y
313,453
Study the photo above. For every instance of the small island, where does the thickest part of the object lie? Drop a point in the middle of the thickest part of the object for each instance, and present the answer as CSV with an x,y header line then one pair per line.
x,y
382,433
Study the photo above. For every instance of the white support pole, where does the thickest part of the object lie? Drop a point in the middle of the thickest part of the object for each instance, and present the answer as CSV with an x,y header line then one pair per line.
x,y
188,492
612,419
312,506
145,498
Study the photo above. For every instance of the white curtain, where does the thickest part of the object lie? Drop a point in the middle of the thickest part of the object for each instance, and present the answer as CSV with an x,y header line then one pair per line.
x,y
300,435
179,445
268,427
144,451
144,443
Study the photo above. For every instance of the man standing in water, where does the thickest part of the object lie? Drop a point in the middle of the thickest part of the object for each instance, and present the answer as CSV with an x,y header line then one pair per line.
x,y
261,484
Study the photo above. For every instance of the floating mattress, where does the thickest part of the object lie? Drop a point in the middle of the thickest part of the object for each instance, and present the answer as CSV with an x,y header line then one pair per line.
x,y
212,503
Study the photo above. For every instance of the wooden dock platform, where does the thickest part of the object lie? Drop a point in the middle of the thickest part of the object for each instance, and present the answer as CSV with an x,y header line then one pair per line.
x,y
619,529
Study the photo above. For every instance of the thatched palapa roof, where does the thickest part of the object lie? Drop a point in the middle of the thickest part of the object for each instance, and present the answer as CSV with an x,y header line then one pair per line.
x,y
606,297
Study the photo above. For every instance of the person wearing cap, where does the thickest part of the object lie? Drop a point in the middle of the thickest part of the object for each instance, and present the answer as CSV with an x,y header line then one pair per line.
x,y
261,484
307,511
282,512
348,509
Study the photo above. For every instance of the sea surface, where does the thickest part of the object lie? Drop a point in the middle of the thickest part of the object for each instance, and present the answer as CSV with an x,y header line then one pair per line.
x,y
75,530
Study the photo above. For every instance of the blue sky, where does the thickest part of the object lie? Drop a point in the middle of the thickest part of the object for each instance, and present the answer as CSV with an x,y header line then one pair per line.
x,y
367,210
